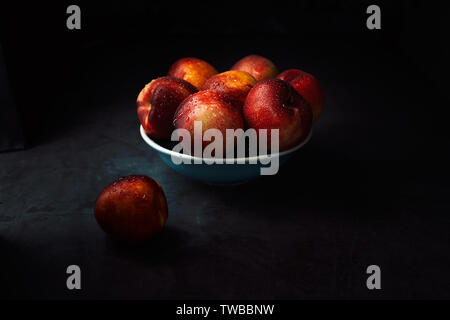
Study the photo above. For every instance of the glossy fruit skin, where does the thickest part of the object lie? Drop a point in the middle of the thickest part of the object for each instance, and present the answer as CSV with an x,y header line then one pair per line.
x,y
308,87
193,70
157,102
259,67
213,109
235,84
132,209
274,104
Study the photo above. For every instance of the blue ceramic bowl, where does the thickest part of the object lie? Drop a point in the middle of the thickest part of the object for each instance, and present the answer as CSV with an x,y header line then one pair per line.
x,y
217,173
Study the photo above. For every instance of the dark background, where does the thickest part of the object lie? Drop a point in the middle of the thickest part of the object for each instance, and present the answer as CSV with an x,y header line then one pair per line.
x,y
375,191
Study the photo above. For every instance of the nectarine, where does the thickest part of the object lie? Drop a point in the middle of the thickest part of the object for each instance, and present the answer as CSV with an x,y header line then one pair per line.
x,y
259,67
235,84
213,109
274,104
157,102
132,209
193,70
308,87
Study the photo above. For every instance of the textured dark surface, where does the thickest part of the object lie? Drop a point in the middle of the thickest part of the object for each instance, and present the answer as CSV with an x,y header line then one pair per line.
x,y
371,187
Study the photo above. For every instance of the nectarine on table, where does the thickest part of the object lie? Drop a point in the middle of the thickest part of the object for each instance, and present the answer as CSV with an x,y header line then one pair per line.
x,y
193,70
274,104
132,209
157,102
235,84
259,67
308,87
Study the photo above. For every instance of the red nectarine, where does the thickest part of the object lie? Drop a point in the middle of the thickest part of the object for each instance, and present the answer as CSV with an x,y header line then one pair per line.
x,y
274,104
213,109
235,84
259,67
133,208
157,102
193,70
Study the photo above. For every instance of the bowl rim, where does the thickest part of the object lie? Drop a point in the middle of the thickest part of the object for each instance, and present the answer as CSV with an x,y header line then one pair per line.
x,y
171,153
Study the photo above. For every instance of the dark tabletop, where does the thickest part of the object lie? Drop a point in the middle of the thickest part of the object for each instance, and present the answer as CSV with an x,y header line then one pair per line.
x,y
369,188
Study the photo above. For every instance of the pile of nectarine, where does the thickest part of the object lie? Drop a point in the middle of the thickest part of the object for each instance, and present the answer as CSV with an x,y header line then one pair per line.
x,y
250,95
